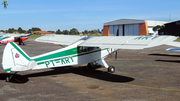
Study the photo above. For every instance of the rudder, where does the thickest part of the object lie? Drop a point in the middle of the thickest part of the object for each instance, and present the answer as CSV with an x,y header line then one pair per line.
x,y
15,59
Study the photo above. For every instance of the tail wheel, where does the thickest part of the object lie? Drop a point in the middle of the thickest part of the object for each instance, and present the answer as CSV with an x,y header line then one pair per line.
x,y
111,69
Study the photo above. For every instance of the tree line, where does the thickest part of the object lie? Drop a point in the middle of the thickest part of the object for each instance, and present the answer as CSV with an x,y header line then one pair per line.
x,y
20,30
73,31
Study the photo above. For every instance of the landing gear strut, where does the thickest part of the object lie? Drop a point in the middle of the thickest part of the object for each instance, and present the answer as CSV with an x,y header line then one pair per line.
x,y
8,79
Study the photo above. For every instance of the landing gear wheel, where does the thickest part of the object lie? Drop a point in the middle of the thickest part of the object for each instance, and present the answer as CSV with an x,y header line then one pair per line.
x,y
111,69
8,79
91,65
24,43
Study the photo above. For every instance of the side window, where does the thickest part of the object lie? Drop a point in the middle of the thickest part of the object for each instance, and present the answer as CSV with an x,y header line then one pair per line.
x,y
92,48
86,49
82,49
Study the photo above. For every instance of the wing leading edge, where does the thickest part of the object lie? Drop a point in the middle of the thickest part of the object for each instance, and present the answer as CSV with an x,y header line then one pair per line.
x,y
129,42
59,39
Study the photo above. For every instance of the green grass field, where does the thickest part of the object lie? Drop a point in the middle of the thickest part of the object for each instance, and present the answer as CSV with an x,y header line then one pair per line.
x,y
178,39
35,36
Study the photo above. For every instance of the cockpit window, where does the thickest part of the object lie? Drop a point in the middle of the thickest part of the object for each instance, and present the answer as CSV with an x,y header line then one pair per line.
x,y
86,49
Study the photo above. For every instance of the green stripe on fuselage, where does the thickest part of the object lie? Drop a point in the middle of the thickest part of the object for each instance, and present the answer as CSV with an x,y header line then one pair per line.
x,y
20,51
66,53
72,51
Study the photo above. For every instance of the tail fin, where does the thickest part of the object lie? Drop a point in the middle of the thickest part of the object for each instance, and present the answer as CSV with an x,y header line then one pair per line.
x,y
15,59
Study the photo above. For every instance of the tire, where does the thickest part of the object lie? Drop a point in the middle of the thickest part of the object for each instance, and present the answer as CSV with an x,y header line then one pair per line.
x,y
24,43
111,69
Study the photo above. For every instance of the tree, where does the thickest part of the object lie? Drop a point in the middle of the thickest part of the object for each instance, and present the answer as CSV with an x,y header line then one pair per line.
x,y
4,3
29,31
86,32
11,30
58,31
20,30
51,31
35,29
158,27
102,31
2,31
66,32
98,31
74,31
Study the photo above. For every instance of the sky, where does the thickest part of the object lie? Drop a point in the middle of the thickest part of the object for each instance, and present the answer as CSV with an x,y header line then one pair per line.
x,y
82,14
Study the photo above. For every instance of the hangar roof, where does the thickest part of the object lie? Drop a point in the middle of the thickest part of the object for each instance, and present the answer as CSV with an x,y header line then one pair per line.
x,y
124,21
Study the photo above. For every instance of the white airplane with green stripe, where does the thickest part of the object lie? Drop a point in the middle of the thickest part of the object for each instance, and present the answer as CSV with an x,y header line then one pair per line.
x,y
80,50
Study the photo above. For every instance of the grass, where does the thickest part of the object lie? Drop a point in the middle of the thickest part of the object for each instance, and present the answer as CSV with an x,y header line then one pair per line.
x,y
178,39
35,36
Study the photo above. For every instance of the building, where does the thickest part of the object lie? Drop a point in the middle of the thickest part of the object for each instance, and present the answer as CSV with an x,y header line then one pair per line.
x,y
41,32
130,27
172,28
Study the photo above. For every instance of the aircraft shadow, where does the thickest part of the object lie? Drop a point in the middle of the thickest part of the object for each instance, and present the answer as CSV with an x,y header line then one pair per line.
x,y
165,55
97,74
176,61
20,79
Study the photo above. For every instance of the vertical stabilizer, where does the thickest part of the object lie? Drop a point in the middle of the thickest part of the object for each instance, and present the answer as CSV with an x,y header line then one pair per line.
x,y
15,59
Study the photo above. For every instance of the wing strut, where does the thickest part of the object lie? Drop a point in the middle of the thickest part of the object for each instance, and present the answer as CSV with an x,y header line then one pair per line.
x,y
103,63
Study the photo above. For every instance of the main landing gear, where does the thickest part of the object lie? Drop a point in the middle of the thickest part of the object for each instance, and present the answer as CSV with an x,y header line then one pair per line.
x,y
8,79
110,69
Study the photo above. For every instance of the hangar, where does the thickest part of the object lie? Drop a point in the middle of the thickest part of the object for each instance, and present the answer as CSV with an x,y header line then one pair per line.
x,y
172,28
130,27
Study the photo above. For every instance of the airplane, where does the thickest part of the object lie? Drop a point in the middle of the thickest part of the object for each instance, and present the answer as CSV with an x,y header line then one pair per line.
x,y
14,38
2,36
78,50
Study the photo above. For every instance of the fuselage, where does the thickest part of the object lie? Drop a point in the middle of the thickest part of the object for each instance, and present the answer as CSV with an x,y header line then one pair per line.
x,y
15,59
12,39
70,55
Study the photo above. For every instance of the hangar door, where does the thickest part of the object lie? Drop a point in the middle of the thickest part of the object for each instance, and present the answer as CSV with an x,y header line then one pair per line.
x,y
116,30
124,30
131,30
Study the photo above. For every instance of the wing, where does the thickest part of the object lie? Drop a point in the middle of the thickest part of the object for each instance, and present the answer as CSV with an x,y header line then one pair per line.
x,y
59,39
14,35
117,42
128,42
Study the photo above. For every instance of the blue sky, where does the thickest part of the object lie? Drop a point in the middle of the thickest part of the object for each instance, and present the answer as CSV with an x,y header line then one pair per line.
x,y
82,14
